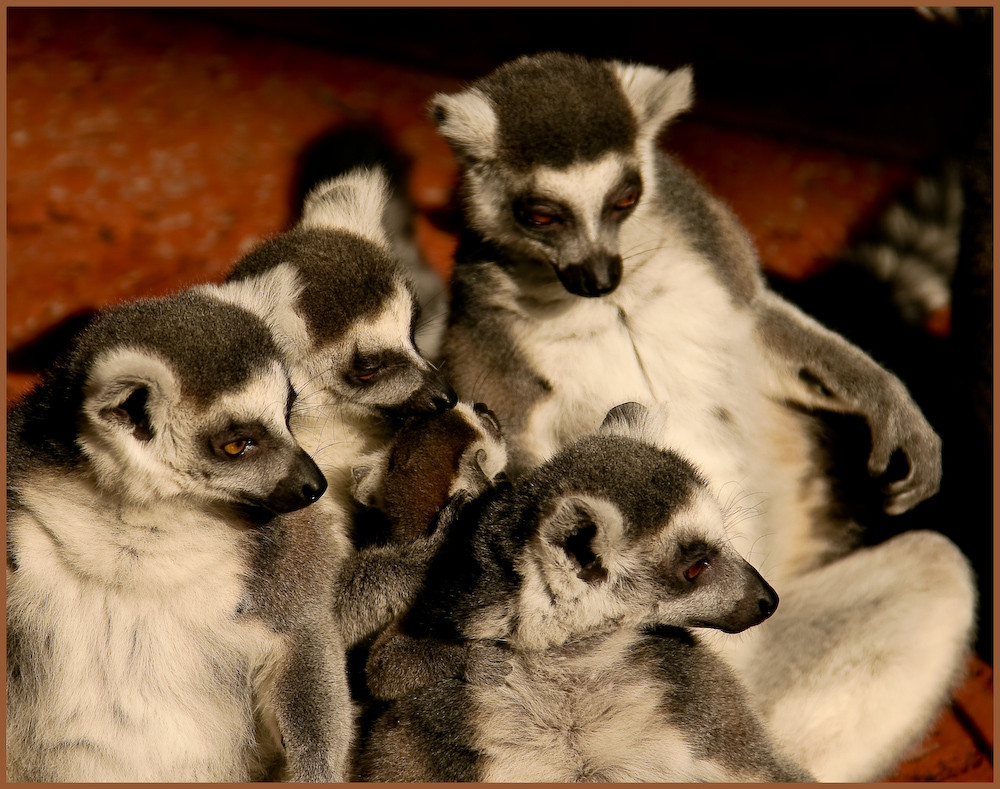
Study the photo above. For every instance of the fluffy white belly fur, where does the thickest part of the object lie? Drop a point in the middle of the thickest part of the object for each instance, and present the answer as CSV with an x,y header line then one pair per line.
x,y
147,667
568,719
659,340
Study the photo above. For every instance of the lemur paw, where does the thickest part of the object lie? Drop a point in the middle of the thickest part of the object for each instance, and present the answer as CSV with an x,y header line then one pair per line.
x,y
921,447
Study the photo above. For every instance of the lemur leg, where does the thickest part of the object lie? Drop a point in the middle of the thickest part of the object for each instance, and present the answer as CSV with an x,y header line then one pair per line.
x,y
862,654
817,368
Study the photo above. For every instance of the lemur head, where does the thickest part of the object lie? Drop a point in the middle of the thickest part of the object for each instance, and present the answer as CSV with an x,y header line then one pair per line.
x,y
431,459
625,533
187,397
339,308
556,153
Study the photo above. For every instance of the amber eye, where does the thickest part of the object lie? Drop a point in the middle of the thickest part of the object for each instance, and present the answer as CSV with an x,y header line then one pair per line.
x,y
541,218
695,569
627,202
237,447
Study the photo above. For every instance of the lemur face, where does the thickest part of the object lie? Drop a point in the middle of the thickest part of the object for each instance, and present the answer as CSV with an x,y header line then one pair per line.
x,y
628,534
338,306
556,153
375,363
194,403
566,219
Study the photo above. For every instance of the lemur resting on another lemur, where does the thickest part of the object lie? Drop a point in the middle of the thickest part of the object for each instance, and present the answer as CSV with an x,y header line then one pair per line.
x,y
169,617
343,313
587,571
595,270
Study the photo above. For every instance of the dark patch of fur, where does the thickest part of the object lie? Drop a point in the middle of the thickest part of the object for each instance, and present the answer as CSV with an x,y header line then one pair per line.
x,y
558,109
423,464
733,260
345,277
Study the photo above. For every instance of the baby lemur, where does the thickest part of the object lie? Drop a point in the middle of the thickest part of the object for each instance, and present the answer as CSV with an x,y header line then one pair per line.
x,y
169,611
587,571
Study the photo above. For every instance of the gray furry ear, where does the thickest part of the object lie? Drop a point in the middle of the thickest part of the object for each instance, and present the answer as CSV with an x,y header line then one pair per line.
x,y
637,421
467,121
584,528
656,96
126,389
354,202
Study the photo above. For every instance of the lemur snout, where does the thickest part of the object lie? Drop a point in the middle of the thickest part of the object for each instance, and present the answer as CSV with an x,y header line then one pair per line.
x,y
593,277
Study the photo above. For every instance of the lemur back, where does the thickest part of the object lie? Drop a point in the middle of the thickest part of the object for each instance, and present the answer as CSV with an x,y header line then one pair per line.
x,y
586,572
152,631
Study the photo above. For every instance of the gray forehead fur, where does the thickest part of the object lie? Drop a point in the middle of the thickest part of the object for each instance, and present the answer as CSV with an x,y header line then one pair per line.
x,y
557,109
647,484
211,347
344,276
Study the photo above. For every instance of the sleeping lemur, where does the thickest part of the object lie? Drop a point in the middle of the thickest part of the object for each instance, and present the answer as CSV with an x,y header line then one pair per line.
x,y
343,313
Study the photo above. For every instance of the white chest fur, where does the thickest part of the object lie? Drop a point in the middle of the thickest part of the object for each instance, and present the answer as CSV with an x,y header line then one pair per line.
x,y
563,717
147,667
670,334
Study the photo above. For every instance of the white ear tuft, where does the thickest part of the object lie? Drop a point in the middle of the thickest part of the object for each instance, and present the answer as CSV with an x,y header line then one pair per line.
x,y
127,389
354,202
656,96
467,121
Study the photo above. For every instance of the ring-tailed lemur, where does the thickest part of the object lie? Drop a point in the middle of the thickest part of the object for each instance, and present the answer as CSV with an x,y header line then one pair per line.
x,y
165,622
594,269
343,313
587,571
855,663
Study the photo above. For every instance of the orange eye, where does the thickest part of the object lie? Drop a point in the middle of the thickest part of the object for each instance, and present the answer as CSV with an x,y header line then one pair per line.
x,y
627,202
236,448
541,219
695,569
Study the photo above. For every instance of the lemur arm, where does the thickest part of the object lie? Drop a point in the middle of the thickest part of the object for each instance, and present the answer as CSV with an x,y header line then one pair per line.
x,y
377,584
309,698
817,368
399,664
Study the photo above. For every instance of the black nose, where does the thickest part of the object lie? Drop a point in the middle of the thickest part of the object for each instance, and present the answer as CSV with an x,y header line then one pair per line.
x,y
302,485
435,395
768,603
596,276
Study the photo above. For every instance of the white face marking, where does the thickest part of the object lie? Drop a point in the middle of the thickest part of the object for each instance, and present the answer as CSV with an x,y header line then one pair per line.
x,y
583,188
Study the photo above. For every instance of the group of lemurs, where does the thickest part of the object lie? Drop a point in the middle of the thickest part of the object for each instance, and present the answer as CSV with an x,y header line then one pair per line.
x,y
255,534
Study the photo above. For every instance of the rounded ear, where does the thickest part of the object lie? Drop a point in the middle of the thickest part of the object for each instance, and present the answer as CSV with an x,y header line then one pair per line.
x,y
637,421
584,530
354,202
127,390
467,121
656,96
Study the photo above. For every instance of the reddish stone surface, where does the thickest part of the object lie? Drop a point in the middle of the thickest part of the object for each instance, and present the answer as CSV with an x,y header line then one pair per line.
x,y
147,152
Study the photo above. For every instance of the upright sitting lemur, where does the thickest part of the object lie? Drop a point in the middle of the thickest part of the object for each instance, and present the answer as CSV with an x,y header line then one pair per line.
x,y
594,270
169,604
549,643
